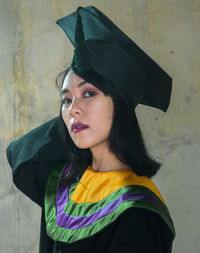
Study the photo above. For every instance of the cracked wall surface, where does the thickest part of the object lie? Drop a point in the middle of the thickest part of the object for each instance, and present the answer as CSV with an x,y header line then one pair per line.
x,y
33,50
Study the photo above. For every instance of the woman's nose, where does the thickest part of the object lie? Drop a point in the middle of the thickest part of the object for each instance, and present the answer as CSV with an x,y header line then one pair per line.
x,y
75,107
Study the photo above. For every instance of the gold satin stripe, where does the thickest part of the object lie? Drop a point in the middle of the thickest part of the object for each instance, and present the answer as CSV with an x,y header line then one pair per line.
x,y
96,186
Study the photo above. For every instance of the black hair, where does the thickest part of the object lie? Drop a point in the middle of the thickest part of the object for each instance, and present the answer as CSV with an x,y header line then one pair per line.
x,y
125,139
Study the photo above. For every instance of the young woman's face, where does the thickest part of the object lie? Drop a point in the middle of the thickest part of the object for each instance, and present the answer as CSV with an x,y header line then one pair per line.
x,y
86,111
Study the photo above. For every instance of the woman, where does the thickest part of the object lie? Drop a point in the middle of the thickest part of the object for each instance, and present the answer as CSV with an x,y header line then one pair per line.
x,y
91,172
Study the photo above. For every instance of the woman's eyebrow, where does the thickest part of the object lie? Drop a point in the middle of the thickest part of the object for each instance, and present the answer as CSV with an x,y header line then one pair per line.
x,y
79,85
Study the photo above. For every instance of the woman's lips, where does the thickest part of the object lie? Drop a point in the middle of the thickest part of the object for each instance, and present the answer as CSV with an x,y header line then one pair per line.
x,y
79,128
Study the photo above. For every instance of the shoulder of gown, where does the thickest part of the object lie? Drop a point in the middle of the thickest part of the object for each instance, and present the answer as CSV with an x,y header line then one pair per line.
x,y
143,231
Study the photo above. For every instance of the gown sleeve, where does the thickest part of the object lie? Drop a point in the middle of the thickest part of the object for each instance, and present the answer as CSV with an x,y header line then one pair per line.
x,y
32,156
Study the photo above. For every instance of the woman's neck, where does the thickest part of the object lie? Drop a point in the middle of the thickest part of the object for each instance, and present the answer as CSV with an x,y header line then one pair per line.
x,y
103,160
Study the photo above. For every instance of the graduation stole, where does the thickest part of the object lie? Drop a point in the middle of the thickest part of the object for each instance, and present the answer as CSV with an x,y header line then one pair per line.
x,y
82,209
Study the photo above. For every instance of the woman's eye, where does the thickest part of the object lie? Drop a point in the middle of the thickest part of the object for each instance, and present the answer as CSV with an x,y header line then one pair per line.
x,y
89,93
66,101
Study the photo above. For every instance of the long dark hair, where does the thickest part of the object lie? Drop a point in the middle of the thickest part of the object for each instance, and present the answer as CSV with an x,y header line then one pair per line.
x,y
125,139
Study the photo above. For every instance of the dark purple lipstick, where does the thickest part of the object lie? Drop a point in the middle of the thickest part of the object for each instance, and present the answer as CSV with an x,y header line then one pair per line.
x,y
78,126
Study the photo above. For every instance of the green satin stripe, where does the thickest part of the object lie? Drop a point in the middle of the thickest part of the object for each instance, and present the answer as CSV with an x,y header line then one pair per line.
x,y
85,209
69,236
50,193
54,179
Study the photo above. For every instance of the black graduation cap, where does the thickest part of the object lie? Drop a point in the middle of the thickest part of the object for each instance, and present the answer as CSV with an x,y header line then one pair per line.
x,y
101,47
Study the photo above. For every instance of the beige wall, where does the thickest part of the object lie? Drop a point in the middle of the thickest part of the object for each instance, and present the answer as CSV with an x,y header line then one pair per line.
x,y
33,50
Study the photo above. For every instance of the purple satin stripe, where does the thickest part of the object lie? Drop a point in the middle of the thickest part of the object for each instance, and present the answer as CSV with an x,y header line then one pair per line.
x,y
62,194
70,222
65,171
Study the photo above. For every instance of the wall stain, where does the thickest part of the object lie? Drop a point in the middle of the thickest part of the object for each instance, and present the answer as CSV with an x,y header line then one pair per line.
x,y
19,74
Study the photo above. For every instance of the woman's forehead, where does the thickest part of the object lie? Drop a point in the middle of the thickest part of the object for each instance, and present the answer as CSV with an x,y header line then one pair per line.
x,y
73,81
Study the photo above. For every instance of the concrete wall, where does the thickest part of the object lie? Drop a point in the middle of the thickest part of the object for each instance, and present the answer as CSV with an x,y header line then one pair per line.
x,y
33,50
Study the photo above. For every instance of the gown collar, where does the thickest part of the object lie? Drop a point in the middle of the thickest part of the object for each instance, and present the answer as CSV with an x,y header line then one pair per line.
x,y
83,209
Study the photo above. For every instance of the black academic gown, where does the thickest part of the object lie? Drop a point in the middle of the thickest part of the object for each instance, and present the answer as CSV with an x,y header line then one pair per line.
x,y
136,230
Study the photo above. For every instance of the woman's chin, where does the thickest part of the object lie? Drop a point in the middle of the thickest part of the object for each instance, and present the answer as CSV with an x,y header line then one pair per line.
x,y
82,145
